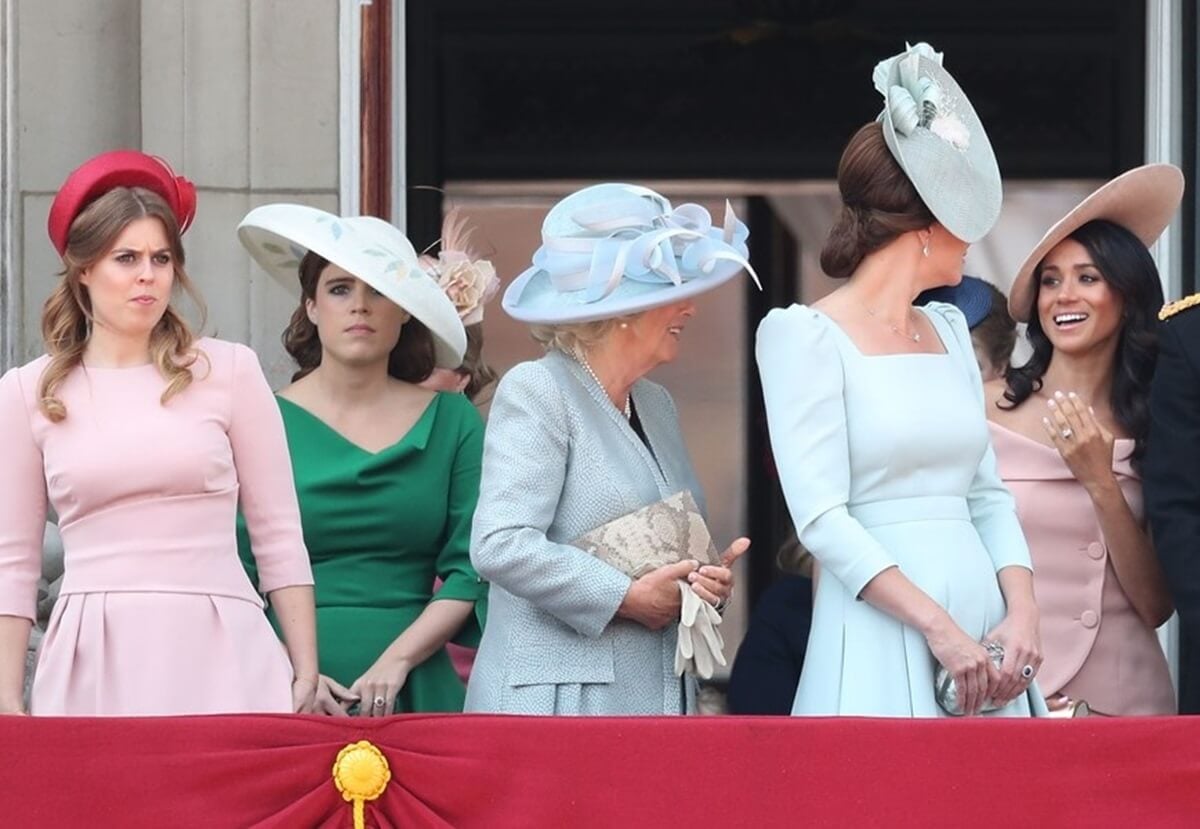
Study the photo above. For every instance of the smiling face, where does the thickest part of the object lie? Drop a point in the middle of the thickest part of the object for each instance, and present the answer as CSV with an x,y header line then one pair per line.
x,y
356,324
1077,308
129,286
655,334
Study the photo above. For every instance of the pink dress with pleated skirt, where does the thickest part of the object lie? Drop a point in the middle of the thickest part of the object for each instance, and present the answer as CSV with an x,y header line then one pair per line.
x,y
156,615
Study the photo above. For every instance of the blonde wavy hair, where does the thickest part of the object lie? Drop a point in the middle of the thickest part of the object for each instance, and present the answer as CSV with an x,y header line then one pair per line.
x,y
67,314
577,337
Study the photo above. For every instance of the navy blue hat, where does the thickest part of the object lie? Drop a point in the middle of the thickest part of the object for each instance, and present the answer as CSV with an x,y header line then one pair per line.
x,y
972,296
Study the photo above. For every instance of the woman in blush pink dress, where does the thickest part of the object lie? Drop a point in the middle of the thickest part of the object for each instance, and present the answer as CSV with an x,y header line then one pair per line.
x,y
144,439
1070,427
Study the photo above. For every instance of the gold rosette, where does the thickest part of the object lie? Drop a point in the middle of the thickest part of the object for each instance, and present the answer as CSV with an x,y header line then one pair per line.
x,y
361,773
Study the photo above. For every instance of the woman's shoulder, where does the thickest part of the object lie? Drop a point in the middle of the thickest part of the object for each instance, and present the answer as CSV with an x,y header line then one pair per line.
x,y
223,351
456,409
21,382
950,316
794,319
797,336
224,361
540,379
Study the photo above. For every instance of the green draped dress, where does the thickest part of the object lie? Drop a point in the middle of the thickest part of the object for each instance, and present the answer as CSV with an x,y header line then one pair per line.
x,y
379,528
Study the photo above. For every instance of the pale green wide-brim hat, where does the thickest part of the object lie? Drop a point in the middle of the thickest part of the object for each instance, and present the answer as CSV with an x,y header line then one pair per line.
x,y
1142,200
279,235
938,140
611,250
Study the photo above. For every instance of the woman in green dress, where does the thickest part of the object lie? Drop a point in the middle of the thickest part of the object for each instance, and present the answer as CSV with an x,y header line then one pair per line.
x,y
387,472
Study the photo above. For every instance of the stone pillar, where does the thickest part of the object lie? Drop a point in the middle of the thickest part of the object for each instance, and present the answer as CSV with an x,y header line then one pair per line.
x,y
243,99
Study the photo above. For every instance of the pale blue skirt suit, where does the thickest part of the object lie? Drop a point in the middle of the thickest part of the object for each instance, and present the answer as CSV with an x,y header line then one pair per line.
x,y
559,460
885,461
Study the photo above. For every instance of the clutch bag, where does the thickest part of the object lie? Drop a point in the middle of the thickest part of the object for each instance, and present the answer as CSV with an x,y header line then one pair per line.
x,y
662,533
945,691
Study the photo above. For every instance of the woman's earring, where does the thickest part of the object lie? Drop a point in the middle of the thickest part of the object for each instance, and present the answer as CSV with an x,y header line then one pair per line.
x,y
623,325
926,248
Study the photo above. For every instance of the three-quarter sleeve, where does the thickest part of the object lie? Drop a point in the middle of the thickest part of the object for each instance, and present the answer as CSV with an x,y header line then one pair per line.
x,y
993,508
267,492
22,506
803,389
459,579
525,456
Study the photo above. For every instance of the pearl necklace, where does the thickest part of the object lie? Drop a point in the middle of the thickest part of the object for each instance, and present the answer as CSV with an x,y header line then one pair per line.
x,y
628,411
915,336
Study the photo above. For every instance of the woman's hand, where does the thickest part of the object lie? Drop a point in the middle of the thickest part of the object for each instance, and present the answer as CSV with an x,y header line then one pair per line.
x,y
304,690
715,584
967,661
1085,445
333,698
653,600
1018,635
377,688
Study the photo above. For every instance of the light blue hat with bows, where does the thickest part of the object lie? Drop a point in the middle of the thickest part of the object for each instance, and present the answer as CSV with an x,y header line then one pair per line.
x,y
936,137
614,249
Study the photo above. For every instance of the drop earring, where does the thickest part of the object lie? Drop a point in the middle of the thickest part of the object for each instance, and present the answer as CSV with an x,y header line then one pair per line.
x,y
925,249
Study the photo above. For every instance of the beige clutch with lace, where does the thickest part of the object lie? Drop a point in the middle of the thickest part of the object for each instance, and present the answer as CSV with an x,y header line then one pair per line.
x,y
664,532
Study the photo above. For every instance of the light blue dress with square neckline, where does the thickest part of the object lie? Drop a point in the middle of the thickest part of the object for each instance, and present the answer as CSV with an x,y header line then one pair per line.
x,y
885,461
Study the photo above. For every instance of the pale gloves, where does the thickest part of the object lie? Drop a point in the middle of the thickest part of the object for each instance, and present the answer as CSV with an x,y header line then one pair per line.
x,y
700,647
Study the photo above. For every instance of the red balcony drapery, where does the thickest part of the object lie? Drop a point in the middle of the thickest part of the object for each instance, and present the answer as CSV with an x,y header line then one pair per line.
x,y
466,771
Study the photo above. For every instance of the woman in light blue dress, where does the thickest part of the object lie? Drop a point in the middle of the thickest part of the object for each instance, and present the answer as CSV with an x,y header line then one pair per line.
x,y
877,424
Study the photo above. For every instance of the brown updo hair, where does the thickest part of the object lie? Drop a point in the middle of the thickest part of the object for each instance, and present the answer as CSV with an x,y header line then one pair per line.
x,y
412,360
878,203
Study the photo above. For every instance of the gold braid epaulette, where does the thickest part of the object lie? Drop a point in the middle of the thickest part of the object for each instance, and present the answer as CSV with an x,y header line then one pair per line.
x,y
1172,308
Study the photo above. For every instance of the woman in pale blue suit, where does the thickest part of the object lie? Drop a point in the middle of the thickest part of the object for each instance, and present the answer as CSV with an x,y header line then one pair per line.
x,y
579,438
876,417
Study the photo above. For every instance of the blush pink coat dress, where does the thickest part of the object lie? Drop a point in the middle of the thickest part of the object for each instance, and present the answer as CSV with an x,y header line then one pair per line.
x,y
156,615
1095,645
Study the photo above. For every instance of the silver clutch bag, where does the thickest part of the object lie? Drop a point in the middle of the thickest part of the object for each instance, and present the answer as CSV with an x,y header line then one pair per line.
x,y
662,533
946,692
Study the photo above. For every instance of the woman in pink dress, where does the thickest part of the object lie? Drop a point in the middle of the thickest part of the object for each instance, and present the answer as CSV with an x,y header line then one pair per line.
x,y
1069,429
144,440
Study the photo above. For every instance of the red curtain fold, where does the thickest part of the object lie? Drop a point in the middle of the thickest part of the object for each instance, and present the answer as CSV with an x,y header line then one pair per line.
x,y
467,771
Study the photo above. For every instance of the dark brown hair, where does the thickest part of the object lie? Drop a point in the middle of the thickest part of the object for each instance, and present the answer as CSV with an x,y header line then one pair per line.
x,y
480,373
412,360
1130,272
878,203
996,333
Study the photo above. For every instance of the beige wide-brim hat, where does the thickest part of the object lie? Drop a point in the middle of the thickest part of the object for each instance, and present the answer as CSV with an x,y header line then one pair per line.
x,y
1142,200
279,235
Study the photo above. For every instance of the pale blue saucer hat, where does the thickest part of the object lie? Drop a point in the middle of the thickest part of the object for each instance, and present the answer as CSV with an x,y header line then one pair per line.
x,y
614,249
936,137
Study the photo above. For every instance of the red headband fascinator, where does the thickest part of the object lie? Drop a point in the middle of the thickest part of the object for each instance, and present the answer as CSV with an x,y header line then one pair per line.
x,y
119,168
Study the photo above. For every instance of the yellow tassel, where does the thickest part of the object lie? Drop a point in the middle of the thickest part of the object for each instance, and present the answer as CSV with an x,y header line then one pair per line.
x,y
361,773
